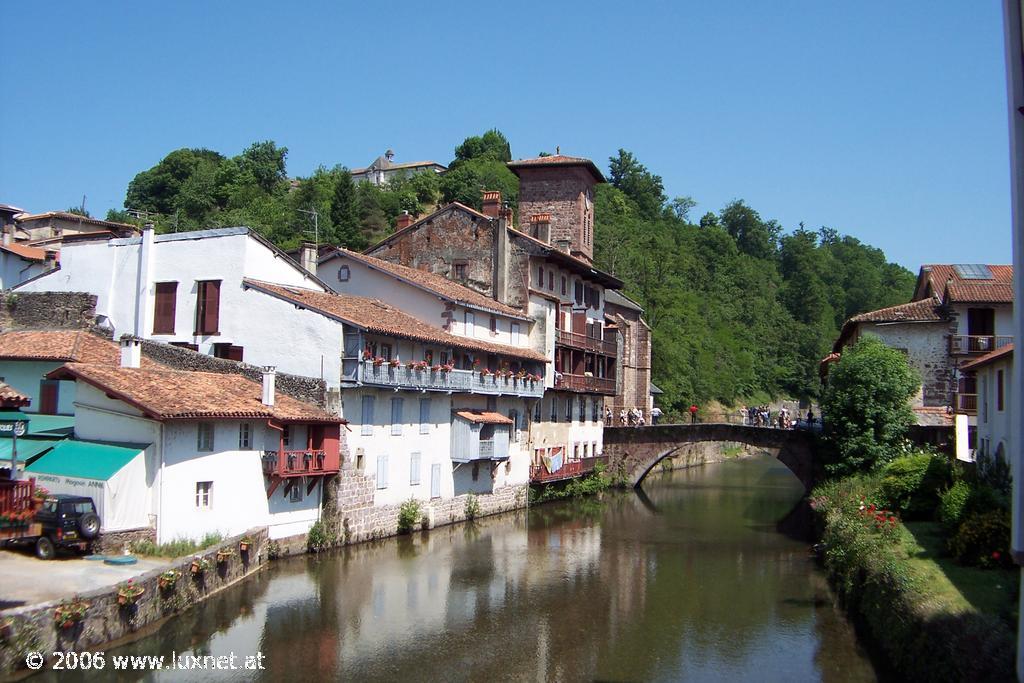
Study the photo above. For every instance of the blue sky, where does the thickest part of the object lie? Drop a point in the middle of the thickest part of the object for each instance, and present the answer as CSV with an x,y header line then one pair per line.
x,y
884,120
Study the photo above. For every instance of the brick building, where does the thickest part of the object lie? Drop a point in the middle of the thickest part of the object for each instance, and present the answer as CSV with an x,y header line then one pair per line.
x,y
544,269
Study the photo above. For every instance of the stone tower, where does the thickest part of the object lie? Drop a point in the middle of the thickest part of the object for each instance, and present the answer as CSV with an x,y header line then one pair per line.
x,y
560,189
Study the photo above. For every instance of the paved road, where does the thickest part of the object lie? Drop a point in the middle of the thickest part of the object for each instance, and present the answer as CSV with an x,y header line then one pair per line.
x,y
27,580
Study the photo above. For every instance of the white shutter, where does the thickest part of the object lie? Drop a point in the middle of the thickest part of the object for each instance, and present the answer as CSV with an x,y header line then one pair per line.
x,y
382,471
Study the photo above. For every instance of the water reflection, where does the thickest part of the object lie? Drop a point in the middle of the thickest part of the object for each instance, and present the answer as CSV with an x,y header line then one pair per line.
x,y
690,582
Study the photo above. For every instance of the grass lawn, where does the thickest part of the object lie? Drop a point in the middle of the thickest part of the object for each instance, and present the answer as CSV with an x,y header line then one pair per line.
x,y
956,587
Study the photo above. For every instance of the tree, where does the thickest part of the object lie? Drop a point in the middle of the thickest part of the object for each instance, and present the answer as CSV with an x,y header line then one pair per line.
x,y
345,212
491,146
639,184
866,406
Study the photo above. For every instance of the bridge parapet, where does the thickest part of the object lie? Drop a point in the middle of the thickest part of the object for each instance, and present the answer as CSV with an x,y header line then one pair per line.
x,y
634,451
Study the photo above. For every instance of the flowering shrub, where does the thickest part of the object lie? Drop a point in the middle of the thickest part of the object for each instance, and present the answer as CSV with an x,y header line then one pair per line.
x,y
983,540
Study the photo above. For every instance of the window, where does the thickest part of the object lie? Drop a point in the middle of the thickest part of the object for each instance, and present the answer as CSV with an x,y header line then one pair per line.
x,y
227,351
208,307
568,408
166,297
540,277
468,322
551,280
583,409
554,409
579,292
205,439
367,427
295,493
514,330
344,274
385,351
999,391
564,286
494,324
204,495
396,417
382,471
286,436
435,480
514,429
424,416
536,410
244,436
460,271
595,411
414,469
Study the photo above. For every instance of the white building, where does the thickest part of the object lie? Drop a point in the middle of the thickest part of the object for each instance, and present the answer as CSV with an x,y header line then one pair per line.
x,y
992,375
19,263
222,453
384,168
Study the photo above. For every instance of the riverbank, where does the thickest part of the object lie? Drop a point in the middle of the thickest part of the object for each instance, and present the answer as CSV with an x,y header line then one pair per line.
x,y
891,579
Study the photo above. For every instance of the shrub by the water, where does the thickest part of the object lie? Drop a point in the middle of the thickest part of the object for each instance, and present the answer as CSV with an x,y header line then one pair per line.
x,y
912,484
408,516
320,537
472,508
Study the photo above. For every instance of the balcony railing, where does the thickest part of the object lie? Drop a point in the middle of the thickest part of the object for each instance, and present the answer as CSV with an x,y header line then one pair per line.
x,y
567,471
298,463
593,385
582,341
968,344
967,404
468,381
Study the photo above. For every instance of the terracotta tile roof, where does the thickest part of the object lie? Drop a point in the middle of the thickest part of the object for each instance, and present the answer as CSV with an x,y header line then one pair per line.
x,y
557,160
434,283
11,397
27,253
165,394
943,278
483,417
991,356
64,215
925,310
59,345
933,415
376,316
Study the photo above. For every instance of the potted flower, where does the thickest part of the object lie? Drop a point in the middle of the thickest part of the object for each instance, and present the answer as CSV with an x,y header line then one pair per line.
x,y
447,367
168,578
70,612
378,361
224,554
245,544
410,365
421,365
39,494
394,362
367,355
435,368
199,565
129,592
486,372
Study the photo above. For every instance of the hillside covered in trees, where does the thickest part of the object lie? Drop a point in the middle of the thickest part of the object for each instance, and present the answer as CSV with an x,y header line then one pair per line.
x,y
741,309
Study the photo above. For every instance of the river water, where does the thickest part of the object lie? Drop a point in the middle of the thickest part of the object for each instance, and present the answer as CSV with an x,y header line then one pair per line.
x,y
691,581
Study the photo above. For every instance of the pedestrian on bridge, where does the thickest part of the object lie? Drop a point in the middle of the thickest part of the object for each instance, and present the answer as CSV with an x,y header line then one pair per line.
x,y
693,413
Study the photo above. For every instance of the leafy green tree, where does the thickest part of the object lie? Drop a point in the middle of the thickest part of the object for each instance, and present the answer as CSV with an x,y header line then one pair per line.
x,y
866,405
345,213
78,211
637,183
491,146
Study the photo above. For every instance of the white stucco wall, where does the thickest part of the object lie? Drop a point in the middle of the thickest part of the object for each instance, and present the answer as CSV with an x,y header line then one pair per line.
x,y
547,434
1003,317
14,270
994,425
25,376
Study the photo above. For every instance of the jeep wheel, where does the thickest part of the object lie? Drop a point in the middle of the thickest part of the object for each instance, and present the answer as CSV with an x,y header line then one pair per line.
x,y
89,525
45,549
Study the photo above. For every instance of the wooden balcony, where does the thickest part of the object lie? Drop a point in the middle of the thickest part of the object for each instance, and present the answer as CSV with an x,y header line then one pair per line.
x,y
960,345
298,463
582,383
569,470
967,404
465,381
582,341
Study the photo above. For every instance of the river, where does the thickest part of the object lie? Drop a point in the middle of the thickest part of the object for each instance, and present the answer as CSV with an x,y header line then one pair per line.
x,y
692,581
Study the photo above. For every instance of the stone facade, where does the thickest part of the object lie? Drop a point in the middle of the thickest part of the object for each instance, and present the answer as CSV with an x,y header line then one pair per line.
x,y
634,366
49,310
566,193
116,542
33,627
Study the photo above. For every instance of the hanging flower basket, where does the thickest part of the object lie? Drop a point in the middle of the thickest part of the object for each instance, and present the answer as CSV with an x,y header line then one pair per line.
x,y
447,368
422,365
69,613
168,579
378,361
129,592
394,362
224,554
410,365
199,565
245,544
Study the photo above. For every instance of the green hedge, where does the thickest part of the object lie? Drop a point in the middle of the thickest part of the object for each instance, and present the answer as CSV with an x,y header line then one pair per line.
x,y
923,637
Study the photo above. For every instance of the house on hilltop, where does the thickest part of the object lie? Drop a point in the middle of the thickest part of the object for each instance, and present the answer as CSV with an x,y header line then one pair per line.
x,y
384,168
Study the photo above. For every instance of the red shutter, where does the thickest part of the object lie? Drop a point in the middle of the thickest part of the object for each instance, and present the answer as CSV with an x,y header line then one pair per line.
x,y
48,397
208,312
166,301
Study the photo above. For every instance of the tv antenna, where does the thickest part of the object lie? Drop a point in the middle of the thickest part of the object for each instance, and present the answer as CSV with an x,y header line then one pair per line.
x,y
316,226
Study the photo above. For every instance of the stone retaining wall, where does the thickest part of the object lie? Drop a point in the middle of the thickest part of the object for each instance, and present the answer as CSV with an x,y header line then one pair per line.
x,y
114,543
33,628
49,310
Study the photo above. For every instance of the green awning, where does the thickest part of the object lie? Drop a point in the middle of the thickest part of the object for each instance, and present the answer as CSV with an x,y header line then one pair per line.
x,y
87,459
51,425
14,414
27,448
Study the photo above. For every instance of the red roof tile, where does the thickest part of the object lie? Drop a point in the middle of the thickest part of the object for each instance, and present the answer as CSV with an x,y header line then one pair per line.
x,y
11,397
483,417
64,215
925,310
557,160
990,357
59,345
943,278
434,283
165,394
376,316
27,253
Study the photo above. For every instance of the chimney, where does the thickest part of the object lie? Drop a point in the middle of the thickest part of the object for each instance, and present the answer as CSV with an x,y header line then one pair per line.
x,y
492,203
540,227
7,234
131,352
269,375
562,245
403,221
308,257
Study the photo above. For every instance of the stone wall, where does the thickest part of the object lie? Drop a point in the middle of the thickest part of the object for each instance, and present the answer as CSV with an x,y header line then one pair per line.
x,y
33,628
308,389
556,191
114,543
49,310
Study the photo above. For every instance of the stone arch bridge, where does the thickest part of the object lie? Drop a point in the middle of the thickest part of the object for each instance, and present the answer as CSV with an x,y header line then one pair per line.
x,y
634,451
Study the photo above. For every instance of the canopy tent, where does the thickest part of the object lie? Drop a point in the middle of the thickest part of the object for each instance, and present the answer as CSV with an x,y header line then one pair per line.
x,y
113,475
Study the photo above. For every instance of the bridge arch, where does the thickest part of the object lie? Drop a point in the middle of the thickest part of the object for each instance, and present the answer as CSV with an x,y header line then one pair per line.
x,y
634,451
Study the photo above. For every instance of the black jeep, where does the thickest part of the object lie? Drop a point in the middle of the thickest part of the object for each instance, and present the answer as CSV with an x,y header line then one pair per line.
x,y
67,522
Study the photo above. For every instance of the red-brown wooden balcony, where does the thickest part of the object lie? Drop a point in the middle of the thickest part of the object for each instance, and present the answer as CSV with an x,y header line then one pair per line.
x,y
960,345
568,470
299,463
582,341
967,404
583,383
